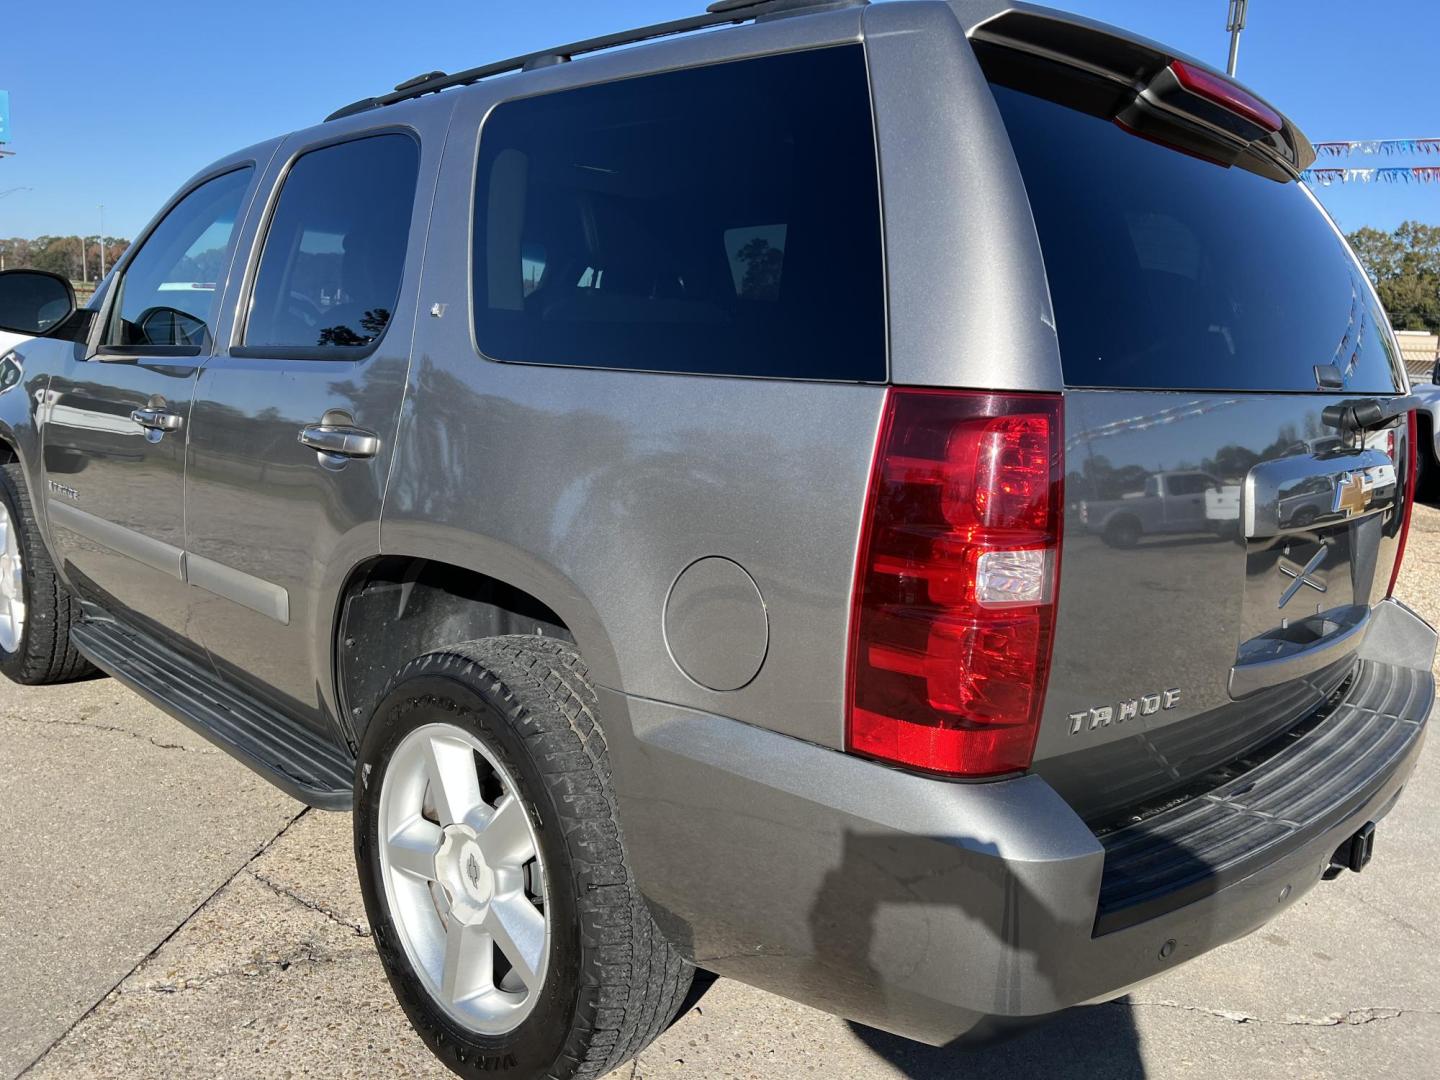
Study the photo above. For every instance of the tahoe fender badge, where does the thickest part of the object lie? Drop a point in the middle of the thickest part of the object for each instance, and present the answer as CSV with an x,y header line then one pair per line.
x,y
1105,715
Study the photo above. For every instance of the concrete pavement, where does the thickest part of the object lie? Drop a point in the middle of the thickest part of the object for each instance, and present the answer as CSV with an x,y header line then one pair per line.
x,y
122,825
118,824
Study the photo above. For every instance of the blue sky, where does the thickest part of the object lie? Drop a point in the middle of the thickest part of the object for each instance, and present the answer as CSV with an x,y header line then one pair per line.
x,y
127,100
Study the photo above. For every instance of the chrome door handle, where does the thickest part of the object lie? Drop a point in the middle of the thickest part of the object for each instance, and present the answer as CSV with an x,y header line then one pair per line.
x,y
342,441
157,419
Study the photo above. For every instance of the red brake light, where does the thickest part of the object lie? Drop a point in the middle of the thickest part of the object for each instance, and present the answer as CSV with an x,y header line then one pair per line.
x,y
1227,95
1412,435
954,607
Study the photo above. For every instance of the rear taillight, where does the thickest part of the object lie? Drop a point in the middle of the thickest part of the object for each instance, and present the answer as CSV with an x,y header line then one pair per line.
x,y
954,607
1228,95
1412,435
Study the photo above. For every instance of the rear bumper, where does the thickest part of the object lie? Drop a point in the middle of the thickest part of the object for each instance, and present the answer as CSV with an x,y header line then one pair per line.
x,y
934,909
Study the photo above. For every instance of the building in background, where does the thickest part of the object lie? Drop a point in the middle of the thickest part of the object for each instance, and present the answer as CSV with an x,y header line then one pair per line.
x,y
1419,349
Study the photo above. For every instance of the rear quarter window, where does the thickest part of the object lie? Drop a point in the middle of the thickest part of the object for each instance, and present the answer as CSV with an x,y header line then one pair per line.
x,y
1167,271
719,220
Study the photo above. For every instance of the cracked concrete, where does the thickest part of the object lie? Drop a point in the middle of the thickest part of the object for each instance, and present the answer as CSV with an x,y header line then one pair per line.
x,y
1350,1016
358,927
86,722
205,1002
275,973
113,962
112,842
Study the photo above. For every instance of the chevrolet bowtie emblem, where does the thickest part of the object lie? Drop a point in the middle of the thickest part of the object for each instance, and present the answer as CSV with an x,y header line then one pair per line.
x,y
1352,494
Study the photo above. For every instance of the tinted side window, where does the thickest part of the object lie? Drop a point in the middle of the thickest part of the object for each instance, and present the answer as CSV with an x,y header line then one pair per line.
x,y
721,220
1187,484
329,275
168,292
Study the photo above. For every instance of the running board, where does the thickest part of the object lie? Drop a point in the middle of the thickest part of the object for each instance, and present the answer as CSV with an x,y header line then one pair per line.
x,y
284,751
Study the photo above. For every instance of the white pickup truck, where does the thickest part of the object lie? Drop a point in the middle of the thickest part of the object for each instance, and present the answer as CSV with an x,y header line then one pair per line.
x,y
1222,507
1170,502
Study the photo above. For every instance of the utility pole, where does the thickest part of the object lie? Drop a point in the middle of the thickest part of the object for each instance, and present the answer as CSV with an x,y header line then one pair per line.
x,y
1235,22
102,243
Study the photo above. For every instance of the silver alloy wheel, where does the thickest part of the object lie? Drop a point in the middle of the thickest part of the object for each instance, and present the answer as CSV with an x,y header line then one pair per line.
x,y
463,878
12,583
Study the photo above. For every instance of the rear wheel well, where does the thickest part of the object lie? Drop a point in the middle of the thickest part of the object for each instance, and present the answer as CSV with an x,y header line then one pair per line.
x,y
395,609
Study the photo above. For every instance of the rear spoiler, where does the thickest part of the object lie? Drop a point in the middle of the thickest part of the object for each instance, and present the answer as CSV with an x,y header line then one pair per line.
x,y
1141,85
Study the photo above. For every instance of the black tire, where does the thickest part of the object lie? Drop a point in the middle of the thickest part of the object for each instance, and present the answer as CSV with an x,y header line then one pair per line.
x,y
1427,473
1123,531
613,981
44,653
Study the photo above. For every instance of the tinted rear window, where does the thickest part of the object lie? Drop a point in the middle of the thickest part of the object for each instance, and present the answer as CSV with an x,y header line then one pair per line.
x,y
720,220
1170,272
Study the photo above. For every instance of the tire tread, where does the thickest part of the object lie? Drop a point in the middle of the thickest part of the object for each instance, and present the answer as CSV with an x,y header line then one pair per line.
x,y
637,978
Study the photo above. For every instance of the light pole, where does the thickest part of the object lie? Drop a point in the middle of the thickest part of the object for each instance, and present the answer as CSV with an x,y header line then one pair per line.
x,y
84,263
1235,22
102,242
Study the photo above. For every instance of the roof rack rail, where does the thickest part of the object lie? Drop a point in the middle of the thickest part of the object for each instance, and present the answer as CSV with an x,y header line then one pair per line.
x,y
720,13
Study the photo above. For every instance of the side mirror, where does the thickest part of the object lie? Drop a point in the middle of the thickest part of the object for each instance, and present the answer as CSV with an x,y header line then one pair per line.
x,y
34,302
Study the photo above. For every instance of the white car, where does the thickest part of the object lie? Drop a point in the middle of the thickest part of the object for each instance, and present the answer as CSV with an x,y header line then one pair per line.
x,y
10,363
9,341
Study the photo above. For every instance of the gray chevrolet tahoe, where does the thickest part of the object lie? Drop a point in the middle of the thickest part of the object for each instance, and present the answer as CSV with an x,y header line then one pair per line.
x,y
646,484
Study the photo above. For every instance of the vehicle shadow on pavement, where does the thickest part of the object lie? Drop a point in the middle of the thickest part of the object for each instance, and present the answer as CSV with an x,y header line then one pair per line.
x,y
912,872
1088,1041
915,930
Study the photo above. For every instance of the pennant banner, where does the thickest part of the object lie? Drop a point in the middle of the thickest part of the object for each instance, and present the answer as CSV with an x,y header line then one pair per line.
x,y
1419,174
1389,147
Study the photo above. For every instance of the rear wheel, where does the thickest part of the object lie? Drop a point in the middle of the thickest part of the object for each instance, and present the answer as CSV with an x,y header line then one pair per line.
x,y
36,609
493,869
1123,532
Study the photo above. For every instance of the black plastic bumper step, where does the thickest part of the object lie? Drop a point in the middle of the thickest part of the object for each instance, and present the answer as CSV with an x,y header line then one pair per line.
x,y
1334,764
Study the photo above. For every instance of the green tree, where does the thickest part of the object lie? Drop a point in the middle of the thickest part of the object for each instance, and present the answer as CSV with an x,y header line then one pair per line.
x,y
57,254
60,254
1405,266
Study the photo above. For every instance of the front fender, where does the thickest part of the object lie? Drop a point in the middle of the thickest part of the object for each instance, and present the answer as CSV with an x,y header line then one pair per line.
x,y
24,385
